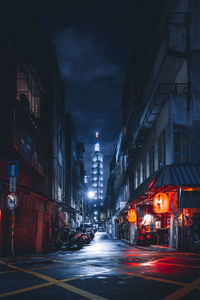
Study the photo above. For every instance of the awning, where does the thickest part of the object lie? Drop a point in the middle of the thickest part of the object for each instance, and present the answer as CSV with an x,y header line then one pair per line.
x,y
183,174
146,185
190,199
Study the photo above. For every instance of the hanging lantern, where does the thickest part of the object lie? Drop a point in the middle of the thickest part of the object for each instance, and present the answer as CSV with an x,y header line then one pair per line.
x,y
160,203
132,215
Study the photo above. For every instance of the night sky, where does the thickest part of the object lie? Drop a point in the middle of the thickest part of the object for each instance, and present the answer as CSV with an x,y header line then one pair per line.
x,y
93,41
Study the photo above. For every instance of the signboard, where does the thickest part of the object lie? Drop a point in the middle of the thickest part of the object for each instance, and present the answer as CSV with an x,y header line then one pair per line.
x,y
12,187
122,204
13,167
12,200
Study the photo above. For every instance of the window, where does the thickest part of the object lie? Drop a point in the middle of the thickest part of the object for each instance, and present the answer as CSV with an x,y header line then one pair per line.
x,y
60,174
181,144
138,176
151,161
28,90
147,165
141,173
161,149
97,147
144,170
136,182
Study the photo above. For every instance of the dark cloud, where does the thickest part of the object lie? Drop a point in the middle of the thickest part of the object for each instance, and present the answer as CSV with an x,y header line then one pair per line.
x,y
93,41
94,88
82,59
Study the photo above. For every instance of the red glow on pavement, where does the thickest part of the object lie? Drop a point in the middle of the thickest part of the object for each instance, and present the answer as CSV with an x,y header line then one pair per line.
x,y
133,264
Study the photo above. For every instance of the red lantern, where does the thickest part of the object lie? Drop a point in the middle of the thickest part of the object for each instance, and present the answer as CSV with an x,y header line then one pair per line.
x,y
132,215
160,203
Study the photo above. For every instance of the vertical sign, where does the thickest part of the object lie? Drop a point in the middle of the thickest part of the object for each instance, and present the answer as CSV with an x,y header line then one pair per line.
x,y
13,167
12,187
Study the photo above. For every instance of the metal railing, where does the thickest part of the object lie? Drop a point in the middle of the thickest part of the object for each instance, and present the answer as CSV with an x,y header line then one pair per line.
x,y
153,109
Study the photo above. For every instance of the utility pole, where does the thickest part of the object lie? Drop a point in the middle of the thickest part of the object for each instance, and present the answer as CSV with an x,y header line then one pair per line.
x,y
83,212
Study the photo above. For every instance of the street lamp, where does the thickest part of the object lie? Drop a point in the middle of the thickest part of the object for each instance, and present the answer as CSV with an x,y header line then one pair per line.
x,y
90,195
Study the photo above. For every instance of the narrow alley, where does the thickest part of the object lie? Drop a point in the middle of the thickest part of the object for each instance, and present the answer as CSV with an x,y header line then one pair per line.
x,y
105,269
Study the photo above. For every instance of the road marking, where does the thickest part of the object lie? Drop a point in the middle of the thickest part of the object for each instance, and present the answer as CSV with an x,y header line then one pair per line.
x,y
31,288
80,292
48,267
52,281
184,290
154,278
5,272
62,261
34,287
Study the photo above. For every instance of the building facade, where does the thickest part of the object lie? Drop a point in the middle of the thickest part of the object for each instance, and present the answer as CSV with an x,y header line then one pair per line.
x,y
31,133
76,186
161,123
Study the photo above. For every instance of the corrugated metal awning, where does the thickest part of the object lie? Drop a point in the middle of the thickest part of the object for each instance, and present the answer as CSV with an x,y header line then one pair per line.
x,y
183,174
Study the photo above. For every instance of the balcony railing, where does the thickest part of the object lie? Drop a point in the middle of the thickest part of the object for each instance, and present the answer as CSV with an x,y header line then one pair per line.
x,y
153,109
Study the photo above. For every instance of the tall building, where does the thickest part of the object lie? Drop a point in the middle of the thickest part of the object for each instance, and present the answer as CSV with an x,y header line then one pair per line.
x,y
158,151
97,173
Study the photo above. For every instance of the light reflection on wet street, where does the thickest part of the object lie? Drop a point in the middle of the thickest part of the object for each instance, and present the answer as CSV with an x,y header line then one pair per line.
x,y
104,269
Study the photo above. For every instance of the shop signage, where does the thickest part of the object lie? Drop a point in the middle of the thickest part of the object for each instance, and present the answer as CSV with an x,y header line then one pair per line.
x,y
12,200
122,204
12,187
13,167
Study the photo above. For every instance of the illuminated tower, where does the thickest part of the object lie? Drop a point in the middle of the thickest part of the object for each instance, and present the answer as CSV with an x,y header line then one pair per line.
x,y
97,173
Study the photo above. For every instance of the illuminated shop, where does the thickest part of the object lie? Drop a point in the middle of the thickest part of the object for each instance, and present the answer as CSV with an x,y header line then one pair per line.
x,y
167,205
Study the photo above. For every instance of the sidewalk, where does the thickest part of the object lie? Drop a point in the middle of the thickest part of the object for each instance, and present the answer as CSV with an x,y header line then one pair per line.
x,y
150,247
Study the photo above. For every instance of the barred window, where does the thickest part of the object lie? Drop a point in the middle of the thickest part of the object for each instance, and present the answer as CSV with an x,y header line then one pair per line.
x,y
161,149
151,160
144,169
181,144
28,90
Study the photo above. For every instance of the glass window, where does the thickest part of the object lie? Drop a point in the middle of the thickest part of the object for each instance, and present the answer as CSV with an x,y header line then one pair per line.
x,y
151,160
144,169
28,91
181,144
161,149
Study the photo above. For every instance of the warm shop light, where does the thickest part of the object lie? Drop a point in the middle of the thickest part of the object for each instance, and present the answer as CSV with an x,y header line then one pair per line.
x,y
147,219
132,215
160,203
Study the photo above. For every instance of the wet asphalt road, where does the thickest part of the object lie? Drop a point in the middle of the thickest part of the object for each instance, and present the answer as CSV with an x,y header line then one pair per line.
x,y
104,269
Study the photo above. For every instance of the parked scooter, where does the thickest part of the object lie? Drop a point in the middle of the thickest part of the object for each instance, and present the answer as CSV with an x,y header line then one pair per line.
x,y
67,239
88,228
85,235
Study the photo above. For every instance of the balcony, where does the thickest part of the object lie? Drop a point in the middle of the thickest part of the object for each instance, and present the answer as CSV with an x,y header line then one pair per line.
x,y
153,109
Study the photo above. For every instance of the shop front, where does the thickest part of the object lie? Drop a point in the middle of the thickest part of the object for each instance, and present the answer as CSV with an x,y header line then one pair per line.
x,y
167,207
